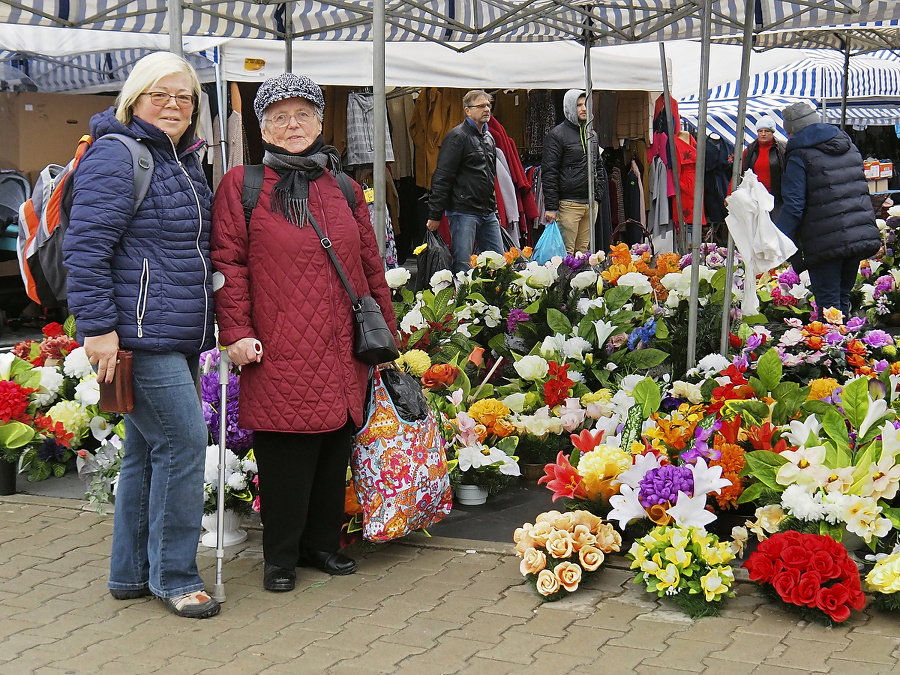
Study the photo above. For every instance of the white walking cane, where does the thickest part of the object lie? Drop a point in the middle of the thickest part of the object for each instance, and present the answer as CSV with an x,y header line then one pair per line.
x,y
224,366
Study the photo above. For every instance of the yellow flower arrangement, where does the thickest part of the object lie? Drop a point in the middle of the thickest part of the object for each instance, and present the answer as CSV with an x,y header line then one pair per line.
x,y
885,576
822,388
599,466
488,411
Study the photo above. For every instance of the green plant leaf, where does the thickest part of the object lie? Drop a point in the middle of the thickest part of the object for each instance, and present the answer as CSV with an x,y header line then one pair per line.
x,y
833,424
616,296
644,359
769,369
855,401
558,322
631,432
751,493
753,412
662,330
646,394
415,337
893,515
758,387
874,430
763,465
816,407
15,434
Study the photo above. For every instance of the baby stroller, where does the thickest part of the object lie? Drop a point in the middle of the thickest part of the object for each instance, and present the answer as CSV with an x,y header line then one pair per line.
x,y
14,190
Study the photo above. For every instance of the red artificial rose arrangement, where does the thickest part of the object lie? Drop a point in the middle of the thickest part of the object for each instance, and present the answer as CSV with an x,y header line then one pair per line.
x,y
810,571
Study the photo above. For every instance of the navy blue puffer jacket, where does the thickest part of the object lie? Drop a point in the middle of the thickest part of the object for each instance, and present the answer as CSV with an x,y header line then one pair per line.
x,y
148,277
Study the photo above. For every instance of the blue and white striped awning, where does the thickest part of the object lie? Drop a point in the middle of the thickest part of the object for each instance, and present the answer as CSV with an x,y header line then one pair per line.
x,y
869,114
468,21
871,75
721,115
862,38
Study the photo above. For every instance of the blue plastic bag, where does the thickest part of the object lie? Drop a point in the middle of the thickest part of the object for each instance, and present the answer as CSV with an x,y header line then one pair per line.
x,y
550,244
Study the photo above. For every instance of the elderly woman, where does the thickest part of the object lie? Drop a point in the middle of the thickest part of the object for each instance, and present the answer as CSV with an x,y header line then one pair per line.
x,y
287,320
140,278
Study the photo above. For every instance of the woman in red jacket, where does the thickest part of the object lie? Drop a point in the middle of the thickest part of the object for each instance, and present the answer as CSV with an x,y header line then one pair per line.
x,y
287,320
765,156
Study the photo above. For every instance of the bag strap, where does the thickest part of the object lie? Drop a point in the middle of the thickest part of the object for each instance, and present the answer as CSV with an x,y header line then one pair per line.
x,y
142,161
253,182
254,174
326,244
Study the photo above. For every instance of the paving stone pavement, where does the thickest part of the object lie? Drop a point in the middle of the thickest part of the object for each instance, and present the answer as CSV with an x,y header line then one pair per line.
x,y
415,607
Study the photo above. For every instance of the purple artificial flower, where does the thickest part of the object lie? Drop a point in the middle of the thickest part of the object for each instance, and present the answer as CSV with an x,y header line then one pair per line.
x,y
877,338
685,260
789,277
881,366
856,323
574,262
701,444
736,314
834,338
884,283
516,316
866,272
670,403
753,342
662,485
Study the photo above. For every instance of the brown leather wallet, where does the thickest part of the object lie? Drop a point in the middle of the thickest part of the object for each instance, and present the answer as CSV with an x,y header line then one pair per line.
x,y
118,395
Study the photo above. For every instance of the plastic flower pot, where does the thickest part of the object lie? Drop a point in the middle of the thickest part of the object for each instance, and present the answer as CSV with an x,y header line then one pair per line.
x,y
232,534
471,495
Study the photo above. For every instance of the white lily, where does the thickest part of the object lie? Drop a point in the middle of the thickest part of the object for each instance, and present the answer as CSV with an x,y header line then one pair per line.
x,y
873,414
691,511
6,360
801,431
642,464
604,330
708,478
626,506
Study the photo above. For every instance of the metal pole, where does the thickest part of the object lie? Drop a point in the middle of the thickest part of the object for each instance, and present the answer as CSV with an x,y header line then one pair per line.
x,y
698,187
380,121
845,88
175,15
739,133
673,153
589,132
219,588
288,37
221,84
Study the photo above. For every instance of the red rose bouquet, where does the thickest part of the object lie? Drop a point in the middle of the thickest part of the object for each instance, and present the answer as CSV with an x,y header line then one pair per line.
x,y
810,571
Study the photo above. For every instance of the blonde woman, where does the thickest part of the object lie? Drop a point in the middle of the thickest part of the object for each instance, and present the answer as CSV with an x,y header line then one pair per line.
x,y
140,279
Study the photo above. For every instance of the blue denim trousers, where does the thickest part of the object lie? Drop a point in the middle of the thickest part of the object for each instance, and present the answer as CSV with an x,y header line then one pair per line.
x,y
159,498
832,281
467,230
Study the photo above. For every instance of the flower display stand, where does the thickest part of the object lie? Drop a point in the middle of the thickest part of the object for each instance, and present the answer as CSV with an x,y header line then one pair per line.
x,y
232,534
7,478
471,495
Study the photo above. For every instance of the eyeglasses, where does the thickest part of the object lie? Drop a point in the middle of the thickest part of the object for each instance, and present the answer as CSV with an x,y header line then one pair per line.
x,y
303,118
481,105
161,99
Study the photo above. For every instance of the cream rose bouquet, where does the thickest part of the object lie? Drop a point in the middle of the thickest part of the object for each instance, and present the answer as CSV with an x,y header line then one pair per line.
x,y
560,549
883,580
686,564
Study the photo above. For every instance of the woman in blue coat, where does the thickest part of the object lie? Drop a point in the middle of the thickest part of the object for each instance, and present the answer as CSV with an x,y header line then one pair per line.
x,y
140,279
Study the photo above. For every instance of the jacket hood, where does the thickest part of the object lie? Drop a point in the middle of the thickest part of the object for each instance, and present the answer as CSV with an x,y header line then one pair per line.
x,y
570,105
827,138
106,123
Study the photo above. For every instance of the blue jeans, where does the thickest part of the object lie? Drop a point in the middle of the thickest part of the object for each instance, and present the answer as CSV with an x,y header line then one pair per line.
x,y
159,499
466,230
832,281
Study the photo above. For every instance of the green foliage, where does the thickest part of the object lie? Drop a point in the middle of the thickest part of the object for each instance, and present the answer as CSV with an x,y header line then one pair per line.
x,y
646,394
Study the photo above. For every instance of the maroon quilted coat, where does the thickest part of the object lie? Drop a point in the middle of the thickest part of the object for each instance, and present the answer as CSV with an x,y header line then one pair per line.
x,y
287,295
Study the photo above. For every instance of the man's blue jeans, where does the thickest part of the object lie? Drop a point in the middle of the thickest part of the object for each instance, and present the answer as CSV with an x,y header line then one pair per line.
x,y
832,282
467,230
159,498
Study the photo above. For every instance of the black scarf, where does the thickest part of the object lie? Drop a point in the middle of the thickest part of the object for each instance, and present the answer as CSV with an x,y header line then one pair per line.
x,y
290,197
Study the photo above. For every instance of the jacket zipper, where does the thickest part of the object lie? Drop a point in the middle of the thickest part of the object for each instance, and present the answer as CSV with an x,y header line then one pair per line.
x,y
143,292
331,280
197,241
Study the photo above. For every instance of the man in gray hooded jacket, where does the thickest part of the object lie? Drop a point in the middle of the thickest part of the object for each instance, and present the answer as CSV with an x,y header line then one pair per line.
x,y
564,173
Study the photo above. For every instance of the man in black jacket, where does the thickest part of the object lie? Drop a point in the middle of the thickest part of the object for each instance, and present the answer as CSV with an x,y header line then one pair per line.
x,y
827,210
463,184
564,173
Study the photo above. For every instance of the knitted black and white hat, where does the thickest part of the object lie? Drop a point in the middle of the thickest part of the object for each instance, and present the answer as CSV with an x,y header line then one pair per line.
x,y
285,86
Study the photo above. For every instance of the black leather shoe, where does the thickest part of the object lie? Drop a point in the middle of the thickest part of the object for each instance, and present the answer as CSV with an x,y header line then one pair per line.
x,y
335,564
131,594
278,579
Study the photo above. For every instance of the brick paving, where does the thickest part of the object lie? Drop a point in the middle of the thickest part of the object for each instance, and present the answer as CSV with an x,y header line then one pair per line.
x,y
417,607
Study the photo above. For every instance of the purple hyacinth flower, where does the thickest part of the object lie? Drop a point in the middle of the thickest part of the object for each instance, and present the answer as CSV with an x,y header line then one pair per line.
x,y
662,485
789,277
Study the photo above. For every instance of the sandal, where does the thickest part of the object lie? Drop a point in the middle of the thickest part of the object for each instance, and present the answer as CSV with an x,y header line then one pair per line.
x,y
196,605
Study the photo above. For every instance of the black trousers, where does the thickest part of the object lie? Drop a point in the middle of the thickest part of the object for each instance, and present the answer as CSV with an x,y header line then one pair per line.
x,y
301,491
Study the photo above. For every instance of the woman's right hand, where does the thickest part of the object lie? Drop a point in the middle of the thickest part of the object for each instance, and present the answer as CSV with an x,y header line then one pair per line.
x,y
244,351
103,351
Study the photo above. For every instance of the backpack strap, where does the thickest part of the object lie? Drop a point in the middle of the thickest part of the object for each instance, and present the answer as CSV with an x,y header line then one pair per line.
x,y
142,161
253,182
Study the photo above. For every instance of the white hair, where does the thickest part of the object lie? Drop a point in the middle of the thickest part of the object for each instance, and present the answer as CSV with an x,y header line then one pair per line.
x,y
146,73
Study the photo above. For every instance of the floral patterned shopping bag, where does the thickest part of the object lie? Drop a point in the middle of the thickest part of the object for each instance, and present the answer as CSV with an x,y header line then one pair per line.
x,y
399,470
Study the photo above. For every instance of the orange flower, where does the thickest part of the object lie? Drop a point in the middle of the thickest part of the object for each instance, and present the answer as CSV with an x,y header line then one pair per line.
x,y
816,328
502,428
473,260
481,432
351,505
511,255
814,342
728,498
731,459
856,347
527,251
440,376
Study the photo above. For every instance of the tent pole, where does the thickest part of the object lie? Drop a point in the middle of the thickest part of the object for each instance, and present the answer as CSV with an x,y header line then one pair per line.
x,y
380,121
673,128
288,37
698,187
739,133
175,14
222,96
845,87
589,103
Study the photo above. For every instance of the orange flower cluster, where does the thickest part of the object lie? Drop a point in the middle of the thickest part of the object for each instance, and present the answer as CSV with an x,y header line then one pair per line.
x,y
856,354
493,416
665,264
732,462
620,264
675,431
